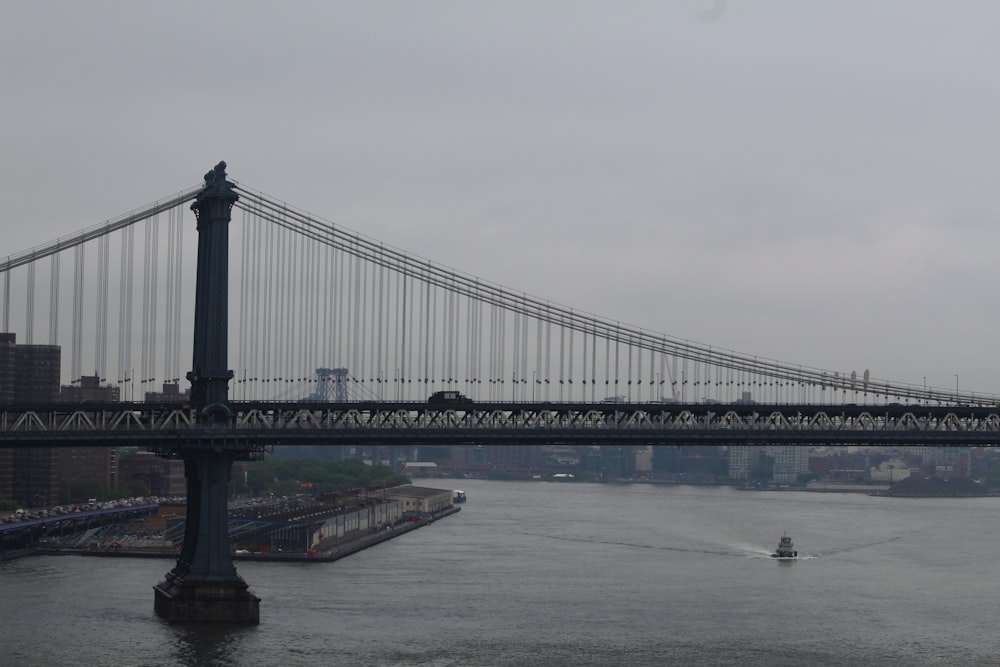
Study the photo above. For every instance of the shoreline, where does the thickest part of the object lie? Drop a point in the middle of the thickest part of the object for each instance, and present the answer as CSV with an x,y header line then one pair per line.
x,y
336,553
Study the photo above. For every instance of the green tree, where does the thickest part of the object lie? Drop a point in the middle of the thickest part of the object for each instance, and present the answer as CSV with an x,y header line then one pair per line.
x,y
284,476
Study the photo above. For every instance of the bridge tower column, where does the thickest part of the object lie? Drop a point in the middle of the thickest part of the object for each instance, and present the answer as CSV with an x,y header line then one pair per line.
x,y
204,586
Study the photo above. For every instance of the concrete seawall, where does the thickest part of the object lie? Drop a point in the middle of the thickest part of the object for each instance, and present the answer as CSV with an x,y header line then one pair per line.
x,y
336,553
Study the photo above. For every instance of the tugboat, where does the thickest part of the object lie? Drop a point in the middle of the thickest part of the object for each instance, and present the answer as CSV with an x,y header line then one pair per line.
x,y
785,549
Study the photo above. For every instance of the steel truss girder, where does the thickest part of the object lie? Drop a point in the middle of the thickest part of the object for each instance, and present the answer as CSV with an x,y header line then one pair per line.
x,y
173,427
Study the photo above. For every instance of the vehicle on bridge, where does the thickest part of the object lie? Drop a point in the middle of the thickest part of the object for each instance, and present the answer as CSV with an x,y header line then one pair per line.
x,y
449,397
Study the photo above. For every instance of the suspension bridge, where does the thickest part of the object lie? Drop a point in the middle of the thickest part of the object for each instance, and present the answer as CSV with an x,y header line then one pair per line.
x,y
306,332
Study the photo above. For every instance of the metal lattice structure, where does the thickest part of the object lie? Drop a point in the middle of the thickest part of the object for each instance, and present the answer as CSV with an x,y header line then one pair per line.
x,y
255,426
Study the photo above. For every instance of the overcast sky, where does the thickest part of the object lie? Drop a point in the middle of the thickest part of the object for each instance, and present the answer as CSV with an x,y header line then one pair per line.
x,y
811,182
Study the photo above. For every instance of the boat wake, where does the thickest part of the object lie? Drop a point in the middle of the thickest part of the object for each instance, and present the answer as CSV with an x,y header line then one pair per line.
x,y
658,547
857,547
735,551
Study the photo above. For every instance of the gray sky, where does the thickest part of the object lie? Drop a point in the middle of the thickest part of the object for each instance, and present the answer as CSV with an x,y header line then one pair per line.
x,y
806,181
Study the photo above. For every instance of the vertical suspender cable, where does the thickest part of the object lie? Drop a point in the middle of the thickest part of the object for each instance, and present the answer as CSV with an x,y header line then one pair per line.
x,y
607,366
283,339
426,335
297,323
455,337
478,377
6,300
316,333
450,342
287,339
495,369
53,299
261,271
101,352
562,356
304,321
470,345
593,364
341,286
631,347
404,329
150,282
125,311
175,369
329,269
524,358
362,296
379,361
519,349
502,346
276,307
144,330
76,363
539,350
435,371
154,281
267,267
548,351
366,305
242,336
391,282
356,369
29,327
171,296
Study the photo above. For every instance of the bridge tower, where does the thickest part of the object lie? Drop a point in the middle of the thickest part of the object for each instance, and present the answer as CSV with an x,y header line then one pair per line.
x,y
204,585
331,386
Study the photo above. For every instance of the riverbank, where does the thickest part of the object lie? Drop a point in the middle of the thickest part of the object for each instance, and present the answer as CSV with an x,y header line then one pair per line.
x,y
13,554
336,553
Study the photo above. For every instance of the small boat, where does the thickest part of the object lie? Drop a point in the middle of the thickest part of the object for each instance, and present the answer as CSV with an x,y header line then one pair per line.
x,y
460,496
785,549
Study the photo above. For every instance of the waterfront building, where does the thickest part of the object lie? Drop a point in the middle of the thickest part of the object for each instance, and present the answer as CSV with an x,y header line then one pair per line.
x,y
482,458
705,461
891,471
613,462
742,460
419,468
949,462
421,498
789,461
644,460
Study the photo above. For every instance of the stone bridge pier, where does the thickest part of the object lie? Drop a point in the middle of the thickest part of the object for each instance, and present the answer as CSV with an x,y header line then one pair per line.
x,y
204,585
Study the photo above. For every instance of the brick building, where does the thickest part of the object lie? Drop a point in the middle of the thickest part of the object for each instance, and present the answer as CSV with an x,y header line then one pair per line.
x,y
88,470
29,374
89,388
162,477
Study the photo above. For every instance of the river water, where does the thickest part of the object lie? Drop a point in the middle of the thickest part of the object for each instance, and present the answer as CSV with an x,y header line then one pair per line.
x,y
568,574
